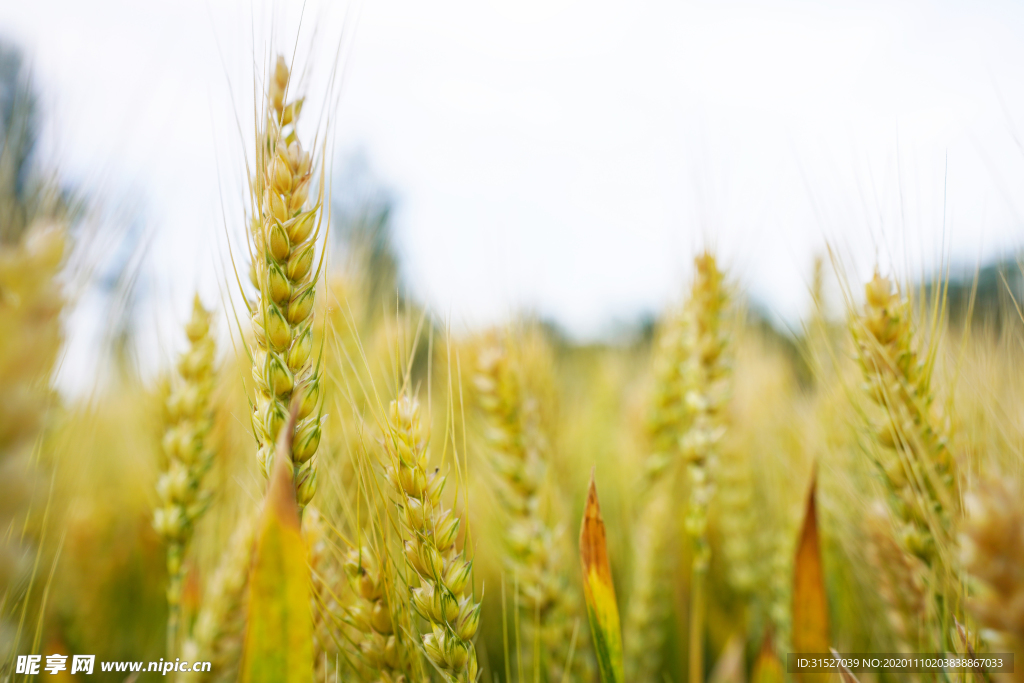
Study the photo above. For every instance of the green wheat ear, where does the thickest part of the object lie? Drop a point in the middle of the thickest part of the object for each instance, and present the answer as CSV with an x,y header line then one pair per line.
x,y
909,440
705,377
189,418
444,597
519,454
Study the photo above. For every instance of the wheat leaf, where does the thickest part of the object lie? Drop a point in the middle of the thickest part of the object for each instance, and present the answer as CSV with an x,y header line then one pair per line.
x,y
767,667
602,610
279,632
810,604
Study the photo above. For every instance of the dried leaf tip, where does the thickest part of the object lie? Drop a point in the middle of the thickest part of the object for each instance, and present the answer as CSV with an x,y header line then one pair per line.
x,y
599,590
810,602
593,544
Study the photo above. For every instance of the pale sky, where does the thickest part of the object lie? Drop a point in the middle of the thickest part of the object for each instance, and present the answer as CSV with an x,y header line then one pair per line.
x,y
570,157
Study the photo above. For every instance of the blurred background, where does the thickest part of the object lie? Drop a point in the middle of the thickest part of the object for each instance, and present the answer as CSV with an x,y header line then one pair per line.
x,y
561,157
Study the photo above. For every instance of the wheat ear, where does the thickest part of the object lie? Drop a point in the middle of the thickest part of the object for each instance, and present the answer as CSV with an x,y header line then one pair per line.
x,y
381,653
706,393
519,451
652,548
325,584
444,597
220,624
31,303
667,417
912,453
652,578
284,231
899,581
189,418
992,549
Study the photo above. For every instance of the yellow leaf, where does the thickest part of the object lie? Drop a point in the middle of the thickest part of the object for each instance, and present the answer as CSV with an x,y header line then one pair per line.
x,y
602,609
279,631
767,667
810,603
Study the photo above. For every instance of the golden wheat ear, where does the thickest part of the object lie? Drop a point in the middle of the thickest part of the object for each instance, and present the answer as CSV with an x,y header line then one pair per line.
x,y
31,308
284,245
992,550
518,452
444,597
653,572
909,440
653,558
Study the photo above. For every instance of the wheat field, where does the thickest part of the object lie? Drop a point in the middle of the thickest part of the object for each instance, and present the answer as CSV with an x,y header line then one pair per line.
x,y
328,483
